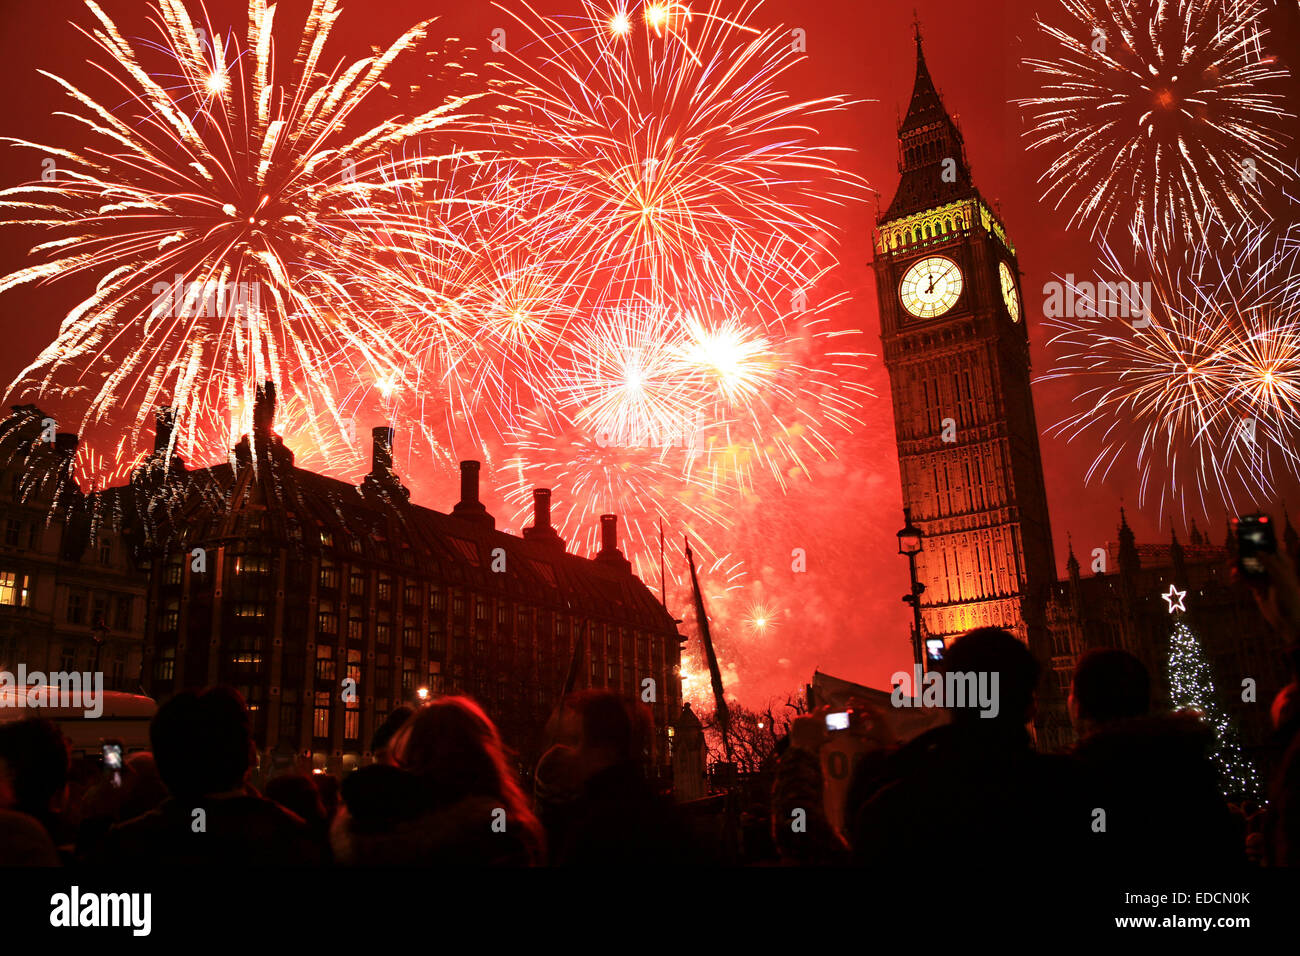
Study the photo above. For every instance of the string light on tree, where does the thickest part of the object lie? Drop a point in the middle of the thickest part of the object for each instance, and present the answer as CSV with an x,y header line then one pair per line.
x,y
1191,687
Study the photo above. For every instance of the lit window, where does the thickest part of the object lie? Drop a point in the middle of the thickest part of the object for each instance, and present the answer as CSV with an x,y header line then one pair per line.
x,y
14,590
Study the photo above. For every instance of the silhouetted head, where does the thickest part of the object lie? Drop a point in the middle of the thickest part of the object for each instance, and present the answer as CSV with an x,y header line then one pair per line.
x,y
989,650
611,730
379,743
202,742
34,757
558,778
1109,684
453,746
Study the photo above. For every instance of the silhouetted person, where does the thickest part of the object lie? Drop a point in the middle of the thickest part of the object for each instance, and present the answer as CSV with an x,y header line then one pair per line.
x,y
449,798
617,819
327,785
1150,774
297,793
973,791
113,799
34,759
557,783
204,749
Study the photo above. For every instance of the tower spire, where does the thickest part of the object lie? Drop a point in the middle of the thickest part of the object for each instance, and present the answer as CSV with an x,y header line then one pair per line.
x,y
932,153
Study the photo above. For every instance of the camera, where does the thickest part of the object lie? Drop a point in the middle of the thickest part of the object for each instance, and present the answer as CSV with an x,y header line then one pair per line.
x,y
839,720
1255,536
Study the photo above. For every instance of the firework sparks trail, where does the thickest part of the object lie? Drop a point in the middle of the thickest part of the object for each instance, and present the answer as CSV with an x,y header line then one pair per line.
x,y
666,161
215,211
1201,395
1159,114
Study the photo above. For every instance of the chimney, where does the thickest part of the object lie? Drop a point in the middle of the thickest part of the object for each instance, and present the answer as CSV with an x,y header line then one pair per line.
x,y
263,444
264,413
469,507
381,450
164,418
541,531
382,478
609,552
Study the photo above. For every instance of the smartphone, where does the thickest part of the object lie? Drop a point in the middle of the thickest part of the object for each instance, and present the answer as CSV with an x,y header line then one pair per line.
x,y
839,720
1255,536
112,758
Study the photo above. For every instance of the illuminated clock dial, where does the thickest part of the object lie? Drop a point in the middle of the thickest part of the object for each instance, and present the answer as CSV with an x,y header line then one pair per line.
x,y
931,287
1009,294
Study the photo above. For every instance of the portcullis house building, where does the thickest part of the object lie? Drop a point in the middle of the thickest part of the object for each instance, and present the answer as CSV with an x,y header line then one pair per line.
x,y
328,604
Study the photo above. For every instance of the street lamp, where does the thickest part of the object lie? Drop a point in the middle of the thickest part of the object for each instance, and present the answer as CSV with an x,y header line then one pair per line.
x,y
423,694
909,544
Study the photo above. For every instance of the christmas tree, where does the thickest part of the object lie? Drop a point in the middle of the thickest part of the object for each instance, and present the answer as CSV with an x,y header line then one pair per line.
x,y
1191,686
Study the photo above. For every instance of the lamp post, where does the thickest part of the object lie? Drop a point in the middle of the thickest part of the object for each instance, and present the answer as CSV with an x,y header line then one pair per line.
x,y
909,544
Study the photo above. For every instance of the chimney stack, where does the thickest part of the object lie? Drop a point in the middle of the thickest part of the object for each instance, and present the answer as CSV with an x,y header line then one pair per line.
x,y
264,412
381,450
164,418
541,531
469,507
382,478
609,552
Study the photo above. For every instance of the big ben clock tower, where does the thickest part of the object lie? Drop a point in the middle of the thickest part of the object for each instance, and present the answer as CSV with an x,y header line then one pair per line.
x,y
952,324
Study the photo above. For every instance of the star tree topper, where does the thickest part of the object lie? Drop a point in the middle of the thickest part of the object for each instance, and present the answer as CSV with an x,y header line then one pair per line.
x,y
1175,599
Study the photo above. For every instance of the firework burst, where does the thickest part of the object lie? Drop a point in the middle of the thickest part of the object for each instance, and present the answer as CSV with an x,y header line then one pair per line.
x,y
215,210
675,167
1159,114
1202,393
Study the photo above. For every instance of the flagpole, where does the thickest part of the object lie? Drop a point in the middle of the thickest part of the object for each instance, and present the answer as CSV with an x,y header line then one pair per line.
x,y
715,673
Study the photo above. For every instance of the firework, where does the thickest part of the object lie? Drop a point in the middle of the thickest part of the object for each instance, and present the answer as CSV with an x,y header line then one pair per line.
x,y
215,210
1159,114
1202,392
600,476
664,161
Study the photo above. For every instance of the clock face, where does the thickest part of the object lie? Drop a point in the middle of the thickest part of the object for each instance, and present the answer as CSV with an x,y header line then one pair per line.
x,y
931,287
1009,294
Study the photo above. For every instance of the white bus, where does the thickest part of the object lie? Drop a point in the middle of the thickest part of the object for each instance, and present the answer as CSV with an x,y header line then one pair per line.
x,y
125,720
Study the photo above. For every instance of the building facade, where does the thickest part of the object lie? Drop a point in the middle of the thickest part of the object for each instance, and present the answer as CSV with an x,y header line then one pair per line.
x,y
327,604
1119,602
71,592
955,344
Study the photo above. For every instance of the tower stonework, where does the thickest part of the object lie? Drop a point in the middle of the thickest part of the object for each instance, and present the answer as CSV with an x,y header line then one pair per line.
x,y
957,352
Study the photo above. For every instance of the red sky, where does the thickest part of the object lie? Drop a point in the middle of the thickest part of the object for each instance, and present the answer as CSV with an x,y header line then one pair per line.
x,y
844,615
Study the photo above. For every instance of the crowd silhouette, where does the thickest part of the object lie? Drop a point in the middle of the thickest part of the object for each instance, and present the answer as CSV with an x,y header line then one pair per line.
x,y
1138,787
